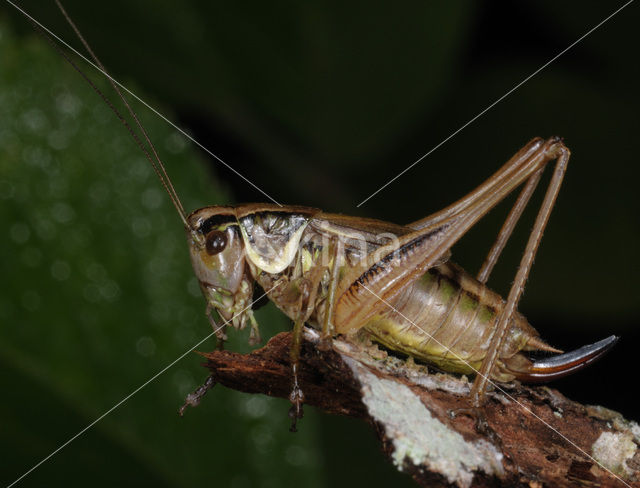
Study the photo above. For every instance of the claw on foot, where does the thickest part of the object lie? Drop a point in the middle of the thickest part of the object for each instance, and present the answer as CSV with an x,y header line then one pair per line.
x,y
296,411
324,344
254,335
480,422
194,399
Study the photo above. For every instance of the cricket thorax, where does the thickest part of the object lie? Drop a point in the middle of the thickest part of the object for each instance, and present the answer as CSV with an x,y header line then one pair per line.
x,y
284,253
272,239
326,242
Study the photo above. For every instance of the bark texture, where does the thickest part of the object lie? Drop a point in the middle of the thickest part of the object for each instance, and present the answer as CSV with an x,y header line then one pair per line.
x,y
528,436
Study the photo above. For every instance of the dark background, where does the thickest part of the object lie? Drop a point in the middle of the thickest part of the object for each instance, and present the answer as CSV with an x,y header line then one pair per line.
x,y
318,105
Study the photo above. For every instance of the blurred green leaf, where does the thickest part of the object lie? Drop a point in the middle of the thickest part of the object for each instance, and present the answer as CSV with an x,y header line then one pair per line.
x,y
302,89
98,296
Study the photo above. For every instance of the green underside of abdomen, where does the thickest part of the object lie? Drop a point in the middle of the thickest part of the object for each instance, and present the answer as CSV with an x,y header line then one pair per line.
x,y
400,338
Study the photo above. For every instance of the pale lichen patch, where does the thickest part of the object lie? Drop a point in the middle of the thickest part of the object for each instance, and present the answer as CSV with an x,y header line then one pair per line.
x,y
419,437
635,430
613,450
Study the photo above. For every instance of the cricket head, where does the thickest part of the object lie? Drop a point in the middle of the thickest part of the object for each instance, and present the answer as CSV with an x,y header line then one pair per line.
x,y
218,257
229,246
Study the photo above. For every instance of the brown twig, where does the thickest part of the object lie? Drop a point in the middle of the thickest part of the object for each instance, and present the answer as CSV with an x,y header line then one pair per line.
x,y
532,436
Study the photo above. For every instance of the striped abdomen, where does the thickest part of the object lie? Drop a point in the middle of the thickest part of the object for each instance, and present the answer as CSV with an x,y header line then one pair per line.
x,y
446,318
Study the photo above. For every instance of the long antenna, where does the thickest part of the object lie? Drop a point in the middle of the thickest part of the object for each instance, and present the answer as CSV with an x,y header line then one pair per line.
x,y
157,164
155,161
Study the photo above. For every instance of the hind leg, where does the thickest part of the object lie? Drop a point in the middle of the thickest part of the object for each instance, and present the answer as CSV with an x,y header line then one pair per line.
x,y
555,150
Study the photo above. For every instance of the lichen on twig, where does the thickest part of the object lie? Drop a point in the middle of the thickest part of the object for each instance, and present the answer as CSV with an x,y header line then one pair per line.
x,y
533,436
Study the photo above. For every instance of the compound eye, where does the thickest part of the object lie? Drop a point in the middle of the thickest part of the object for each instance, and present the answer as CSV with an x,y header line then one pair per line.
x,y
216,241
